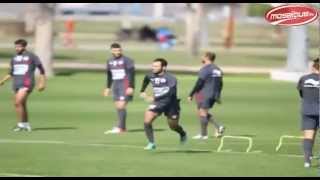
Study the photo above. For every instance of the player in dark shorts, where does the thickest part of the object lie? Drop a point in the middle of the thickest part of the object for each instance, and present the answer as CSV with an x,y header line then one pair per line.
x,y
22,69
164,100
309,89
207,92
121,76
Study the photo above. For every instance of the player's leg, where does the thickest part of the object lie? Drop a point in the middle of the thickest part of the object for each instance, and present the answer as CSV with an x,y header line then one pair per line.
x,y
212,120
172,112
203,117
120,105
20,103
202,112
122,114
149,117
309,126
174,125
219,129
308,142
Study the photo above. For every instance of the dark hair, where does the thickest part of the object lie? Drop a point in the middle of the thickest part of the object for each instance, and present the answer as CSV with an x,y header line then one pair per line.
x,y
163,62
115,45
22,42
211,56
316,64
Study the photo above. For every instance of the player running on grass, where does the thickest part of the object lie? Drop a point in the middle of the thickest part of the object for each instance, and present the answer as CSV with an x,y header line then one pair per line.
x,y
164,100
120,74
309,89
22,68
207,91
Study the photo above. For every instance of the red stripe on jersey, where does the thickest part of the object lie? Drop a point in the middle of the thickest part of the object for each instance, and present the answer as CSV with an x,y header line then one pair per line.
x,y
126,82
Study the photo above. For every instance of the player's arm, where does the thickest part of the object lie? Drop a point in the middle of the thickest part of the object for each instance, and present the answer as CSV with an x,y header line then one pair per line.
x,y
4,79
8,76
144,86
131,77
299,87
109,79
197,87
108,83
42,77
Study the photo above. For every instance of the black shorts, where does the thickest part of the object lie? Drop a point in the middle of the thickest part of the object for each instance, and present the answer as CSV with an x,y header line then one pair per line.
x,y
310,122
171,109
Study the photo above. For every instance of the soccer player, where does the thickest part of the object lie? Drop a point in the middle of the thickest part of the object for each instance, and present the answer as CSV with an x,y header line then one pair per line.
x,y
309,89
207,91
22,68
164,100
120,75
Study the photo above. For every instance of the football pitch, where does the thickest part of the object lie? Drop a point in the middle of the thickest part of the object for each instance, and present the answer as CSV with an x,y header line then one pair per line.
x,y
69,119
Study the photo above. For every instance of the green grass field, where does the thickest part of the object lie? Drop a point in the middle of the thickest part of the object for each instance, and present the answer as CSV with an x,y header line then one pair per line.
x,y
69,119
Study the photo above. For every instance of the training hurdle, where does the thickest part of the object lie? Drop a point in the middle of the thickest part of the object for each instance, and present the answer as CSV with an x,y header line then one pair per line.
x,y
284,137
235,137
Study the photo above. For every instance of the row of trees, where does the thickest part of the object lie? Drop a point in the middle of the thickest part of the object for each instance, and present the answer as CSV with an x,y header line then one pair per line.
x,y
40,16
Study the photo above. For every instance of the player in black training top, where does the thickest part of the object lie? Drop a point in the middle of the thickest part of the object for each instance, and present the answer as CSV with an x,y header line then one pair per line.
x,y
164,100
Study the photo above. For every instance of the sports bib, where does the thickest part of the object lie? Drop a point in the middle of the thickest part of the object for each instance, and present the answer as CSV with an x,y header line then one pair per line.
x,y
20,69
159,91
118,74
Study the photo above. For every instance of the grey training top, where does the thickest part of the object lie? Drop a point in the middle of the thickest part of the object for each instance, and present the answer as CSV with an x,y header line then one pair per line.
x,y
309,88
22,68
121,72
212,77
164,86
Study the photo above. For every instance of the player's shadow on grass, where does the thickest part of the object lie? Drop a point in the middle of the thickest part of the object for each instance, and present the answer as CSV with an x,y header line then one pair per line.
x,y
53,128
142,130
183,151
73,72
65,73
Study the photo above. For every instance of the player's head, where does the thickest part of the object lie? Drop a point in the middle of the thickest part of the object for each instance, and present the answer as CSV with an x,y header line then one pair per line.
x,y
20,45
116,50
315,65
208,57
159,65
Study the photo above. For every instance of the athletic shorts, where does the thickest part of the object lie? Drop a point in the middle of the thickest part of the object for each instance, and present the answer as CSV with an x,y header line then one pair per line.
x,y
310,122
119,94
205,103
171,109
